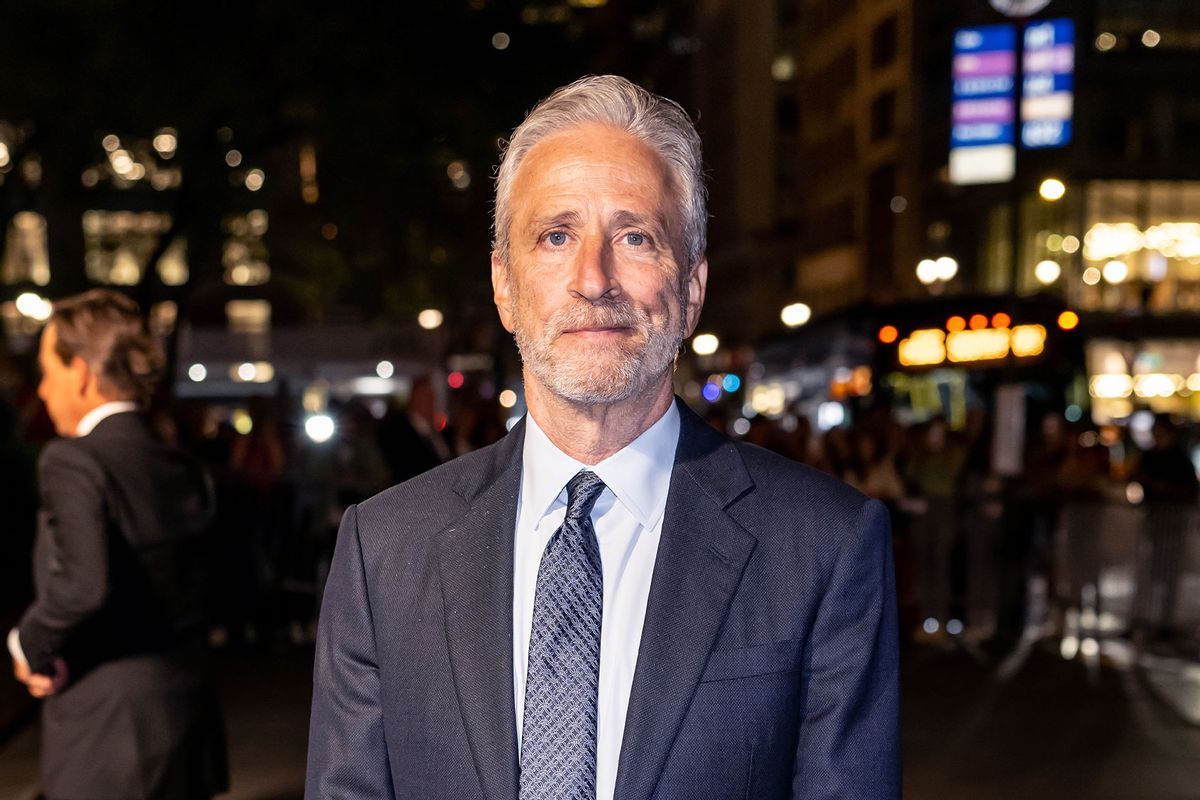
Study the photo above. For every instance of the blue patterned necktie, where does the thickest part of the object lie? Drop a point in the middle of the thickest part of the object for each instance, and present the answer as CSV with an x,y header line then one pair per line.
x,y
558,733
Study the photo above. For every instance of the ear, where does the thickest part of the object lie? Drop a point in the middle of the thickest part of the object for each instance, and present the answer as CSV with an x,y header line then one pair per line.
x,y
501,293
696,283
82,377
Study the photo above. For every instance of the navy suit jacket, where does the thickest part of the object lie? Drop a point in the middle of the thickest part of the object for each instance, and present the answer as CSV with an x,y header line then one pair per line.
x,y
767,666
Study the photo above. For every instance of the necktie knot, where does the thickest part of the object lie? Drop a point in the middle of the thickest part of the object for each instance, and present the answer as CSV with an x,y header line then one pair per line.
x,y
582,492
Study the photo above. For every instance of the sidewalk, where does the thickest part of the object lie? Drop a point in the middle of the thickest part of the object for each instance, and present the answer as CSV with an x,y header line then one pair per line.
x,y
265,698
1054,730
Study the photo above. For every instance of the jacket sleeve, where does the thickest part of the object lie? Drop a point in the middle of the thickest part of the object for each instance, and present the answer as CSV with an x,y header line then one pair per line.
x,y
849,744
347,754
72,551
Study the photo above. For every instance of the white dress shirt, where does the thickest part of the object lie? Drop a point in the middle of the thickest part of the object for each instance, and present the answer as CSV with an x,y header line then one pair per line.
x,y
628,521
86,425
102,412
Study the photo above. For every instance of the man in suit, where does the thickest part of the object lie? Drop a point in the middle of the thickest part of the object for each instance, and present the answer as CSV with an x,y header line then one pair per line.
x,y
615,600
115,640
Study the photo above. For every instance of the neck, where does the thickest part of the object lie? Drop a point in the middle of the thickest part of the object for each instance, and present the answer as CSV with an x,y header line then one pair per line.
x,y
591,432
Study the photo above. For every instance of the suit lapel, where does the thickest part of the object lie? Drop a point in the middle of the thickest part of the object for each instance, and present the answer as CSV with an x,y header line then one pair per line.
x,y
701,556
476,569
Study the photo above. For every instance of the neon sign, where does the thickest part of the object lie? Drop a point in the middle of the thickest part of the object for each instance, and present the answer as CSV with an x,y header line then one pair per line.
x,y
931,346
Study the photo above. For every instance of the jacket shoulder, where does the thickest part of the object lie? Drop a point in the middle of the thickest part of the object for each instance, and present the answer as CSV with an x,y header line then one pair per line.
x,y
67,452
431,500
800,514
780,476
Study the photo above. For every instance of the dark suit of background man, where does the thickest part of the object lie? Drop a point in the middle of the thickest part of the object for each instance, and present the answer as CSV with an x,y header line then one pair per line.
x,y
614,601
115,639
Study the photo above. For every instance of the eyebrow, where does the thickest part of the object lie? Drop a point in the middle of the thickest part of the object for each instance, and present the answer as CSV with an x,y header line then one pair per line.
x,y
623,218
563,218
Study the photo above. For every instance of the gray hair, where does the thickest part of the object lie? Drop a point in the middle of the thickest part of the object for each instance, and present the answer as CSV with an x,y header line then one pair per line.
x,y
660,123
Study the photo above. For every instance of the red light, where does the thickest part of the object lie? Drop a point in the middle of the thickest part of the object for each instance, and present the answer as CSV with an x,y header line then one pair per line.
x,y
978,322
955,324
1068,320
888,334
1001,320
455,380
441,422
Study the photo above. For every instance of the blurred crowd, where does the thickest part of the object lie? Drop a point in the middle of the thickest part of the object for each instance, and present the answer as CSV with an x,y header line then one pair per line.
x,y
280,494
971,536
980,542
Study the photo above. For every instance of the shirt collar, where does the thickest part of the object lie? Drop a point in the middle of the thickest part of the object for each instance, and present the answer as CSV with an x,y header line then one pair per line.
x,y
100,413
638,474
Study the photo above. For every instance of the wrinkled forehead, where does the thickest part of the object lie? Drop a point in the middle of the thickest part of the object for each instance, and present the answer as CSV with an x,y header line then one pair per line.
x,y
593,144
574,161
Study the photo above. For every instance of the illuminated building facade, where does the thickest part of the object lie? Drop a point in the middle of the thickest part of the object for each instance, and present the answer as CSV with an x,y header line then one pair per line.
x,y
858,167
1097,211
1107,220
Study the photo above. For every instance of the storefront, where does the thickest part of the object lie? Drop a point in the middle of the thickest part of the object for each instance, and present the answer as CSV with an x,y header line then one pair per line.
x,y
938,357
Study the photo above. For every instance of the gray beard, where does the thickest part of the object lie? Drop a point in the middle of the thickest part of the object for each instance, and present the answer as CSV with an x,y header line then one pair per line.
x,y
579,377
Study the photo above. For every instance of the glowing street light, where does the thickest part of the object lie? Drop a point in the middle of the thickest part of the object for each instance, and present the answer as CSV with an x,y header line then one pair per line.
x,y
1047,272
319,428
927,271
34,306
705,344
430,319
795,315
1116,271
942,269
1052,189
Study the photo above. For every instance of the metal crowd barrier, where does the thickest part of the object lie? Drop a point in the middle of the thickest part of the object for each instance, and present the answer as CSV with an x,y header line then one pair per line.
x,y
1131,571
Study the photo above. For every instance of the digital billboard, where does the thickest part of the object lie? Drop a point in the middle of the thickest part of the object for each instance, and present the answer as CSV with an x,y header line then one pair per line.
x,y
1047,86
982,148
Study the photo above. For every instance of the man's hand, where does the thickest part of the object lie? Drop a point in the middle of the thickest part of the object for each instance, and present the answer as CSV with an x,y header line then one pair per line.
x,y
21,671
39,685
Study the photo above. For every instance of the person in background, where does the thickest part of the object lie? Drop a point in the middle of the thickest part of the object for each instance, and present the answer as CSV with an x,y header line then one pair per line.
x,y
1030,521
115,640
1170,488
982,515
933,472
873,469
409,437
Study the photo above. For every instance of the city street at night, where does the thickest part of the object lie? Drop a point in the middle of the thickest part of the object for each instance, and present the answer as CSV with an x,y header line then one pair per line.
x,y
605,399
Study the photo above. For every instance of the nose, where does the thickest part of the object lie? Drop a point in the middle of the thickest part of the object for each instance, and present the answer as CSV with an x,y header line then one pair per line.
x,y
594,277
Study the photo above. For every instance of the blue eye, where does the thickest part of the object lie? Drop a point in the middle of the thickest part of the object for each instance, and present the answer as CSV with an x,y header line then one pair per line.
x,y
635,239
557,238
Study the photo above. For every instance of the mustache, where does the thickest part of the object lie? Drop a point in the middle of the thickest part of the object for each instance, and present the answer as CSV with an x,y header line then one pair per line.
x,y
610,314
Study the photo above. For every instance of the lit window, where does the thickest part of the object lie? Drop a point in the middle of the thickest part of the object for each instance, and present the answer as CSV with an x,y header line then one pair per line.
x,y
26,258
248,316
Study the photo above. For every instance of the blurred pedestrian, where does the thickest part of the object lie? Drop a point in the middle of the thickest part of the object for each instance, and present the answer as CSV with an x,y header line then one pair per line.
x,y
873,469
1170,489
115,639
982,513
410,438
934,472
1030,522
